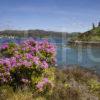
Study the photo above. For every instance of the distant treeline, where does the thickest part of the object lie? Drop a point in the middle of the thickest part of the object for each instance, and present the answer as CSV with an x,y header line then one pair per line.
x,y
32,33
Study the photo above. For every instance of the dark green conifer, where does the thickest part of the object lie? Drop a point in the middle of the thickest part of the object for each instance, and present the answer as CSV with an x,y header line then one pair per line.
x,y
93,26
99,24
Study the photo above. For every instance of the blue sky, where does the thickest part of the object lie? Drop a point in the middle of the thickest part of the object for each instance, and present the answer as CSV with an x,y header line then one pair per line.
x,y
57,15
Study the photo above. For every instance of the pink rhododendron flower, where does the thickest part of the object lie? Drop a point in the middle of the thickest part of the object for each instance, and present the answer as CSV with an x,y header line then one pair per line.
x,y
25,81
40,85
4,46
28,56
44,65
36,60
18,56
26,63
19,64
46,80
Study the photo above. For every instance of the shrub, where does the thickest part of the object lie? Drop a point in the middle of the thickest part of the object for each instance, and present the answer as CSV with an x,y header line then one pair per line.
x,y
94,85
27,64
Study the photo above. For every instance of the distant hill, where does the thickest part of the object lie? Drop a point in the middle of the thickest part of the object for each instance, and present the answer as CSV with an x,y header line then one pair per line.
x,y
32,33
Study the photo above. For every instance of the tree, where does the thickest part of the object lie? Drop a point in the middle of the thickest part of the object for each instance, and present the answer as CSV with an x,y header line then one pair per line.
x,y
93,26
99,24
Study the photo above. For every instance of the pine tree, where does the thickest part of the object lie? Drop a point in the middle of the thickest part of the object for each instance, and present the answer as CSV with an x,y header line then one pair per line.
x,y
93,26
99,24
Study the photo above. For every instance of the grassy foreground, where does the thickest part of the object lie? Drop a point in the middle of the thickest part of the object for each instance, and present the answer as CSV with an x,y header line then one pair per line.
x,y
70,84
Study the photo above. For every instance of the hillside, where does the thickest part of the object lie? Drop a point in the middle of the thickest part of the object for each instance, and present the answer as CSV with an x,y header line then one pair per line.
x,y
91,35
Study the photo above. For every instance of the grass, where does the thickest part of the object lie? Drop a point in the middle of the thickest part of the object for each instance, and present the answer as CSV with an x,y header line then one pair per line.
x,y
70,84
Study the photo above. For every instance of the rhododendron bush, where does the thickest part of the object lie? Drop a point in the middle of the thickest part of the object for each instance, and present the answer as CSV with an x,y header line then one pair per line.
x,y
27,64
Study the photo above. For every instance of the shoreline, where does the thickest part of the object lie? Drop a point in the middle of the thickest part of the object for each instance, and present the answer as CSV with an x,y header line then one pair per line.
x,y
93,43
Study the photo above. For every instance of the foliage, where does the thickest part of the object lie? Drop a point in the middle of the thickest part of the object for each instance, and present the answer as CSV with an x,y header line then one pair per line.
x,y
94,85
65,87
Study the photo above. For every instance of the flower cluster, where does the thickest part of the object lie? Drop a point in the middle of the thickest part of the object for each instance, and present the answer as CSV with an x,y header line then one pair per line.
x,y
40,86
24,60
4,46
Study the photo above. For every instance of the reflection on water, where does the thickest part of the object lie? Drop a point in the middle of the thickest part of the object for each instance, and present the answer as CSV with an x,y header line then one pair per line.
x,y
87,57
